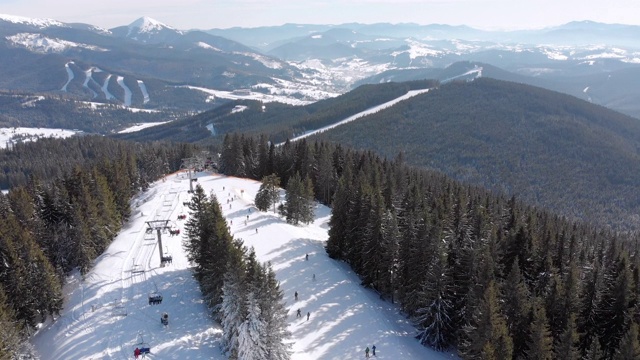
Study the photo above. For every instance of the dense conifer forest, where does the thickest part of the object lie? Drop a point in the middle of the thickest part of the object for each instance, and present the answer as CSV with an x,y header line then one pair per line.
x,y
68,203
21,109
481,274
280,120
547,148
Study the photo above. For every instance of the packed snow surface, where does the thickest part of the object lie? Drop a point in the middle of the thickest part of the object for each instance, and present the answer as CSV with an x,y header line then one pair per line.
x,y
105,89
13,135
70,75
143,89
248,95
127,91
88,77
107,314
139,127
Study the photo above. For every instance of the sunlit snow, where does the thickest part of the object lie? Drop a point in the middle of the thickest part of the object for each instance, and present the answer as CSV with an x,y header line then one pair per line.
x,y
366,112
127,91
11,136
41,23
106,314
42,44
105,89
70,75
139,127
145,93
204,45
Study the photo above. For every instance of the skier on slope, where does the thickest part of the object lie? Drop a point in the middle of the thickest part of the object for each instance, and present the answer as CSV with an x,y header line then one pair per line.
x,y
373,350
298,314
296,296
136,353
366,352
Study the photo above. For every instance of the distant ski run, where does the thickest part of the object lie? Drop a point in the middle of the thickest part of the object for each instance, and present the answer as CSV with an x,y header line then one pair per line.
x,y
70,75
369,111
127,91
145,93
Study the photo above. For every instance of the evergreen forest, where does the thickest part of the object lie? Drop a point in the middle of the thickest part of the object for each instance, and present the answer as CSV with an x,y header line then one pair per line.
x,y
69,198
480,274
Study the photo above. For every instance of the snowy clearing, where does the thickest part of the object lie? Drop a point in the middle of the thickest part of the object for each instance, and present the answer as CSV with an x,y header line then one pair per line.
x,y
139,127
107,313
17,134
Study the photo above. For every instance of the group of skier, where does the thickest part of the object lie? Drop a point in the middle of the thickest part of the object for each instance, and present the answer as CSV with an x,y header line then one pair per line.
x,y
366,351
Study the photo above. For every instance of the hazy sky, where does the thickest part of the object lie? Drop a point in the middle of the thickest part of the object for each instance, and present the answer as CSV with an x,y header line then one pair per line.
x,y
207,14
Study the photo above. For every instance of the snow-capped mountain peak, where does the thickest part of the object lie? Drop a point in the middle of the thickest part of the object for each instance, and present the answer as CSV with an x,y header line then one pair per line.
x,y
146,24
39,23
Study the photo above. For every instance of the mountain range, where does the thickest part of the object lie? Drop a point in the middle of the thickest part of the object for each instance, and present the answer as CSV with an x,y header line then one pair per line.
x,y
152,65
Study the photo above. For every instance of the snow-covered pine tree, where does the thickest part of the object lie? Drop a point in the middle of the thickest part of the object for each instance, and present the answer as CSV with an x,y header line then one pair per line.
x,y
252,332
268,193
300,203
434,318
274,314
233,308
195,226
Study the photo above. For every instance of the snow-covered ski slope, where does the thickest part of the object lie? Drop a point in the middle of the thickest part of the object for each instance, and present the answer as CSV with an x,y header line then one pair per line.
x,y
108,313
371,110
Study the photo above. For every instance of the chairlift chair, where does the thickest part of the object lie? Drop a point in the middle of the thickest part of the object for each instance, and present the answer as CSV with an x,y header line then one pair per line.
x,y
143,346
155,298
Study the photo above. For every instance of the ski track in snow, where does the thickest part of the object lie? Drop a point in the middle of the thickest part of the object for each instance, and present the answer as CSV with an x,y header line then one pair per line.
x,y
477,71
88,77
345,317
143,88
127,91
369,111
70,75
105,89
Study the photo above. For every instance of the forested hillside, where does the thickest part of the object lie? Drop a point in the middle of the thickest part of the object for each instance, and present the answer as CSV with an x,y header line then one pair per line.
x,y
70,200
549,149
279,120
480,273
22,109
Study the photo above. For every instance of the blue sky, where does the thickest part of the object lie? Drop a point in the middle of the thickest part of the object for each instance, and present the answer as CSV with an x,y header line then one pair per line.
x,y
207,14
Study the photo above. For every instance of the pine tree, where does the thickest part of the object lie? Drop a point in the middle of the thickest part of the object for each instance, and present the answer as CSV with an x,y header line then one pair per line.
x,y
516,309
540,341
567,346
299,201
615,306
198,229
233,308
338,223
268,194
275,316
630,345
10,331
487,335
252,332
435,319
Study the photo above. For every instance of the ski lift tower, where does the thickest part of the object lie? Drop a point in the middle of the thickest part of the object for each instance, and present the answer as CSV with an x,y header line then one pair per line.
x,y
190,163
158,226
